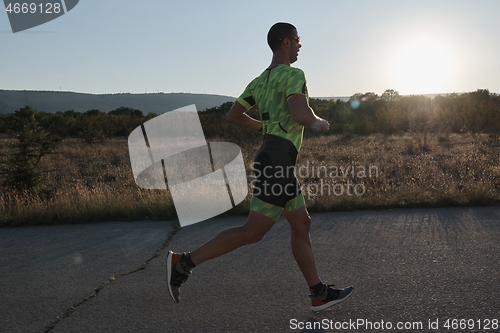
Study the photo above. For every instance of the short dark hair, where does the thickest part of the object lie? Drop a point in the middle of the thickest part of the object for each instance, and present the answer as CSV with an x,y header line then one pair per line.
x,y
277,32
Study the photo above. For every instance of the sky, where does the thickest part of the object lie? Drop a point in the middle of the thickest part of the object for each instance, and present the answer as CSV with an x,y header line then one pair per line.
x,y
218,47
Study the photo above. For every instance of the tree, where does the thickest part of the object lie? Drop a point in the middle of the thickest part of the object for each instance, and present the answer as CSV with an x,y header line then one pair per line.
x,y
91,131
390,95
94,113
20,170
125,110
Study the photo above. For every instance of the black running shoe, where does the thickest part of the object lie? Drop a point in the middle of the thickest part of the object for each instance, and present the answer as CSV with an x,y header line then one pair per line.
x,y
330,297
176,275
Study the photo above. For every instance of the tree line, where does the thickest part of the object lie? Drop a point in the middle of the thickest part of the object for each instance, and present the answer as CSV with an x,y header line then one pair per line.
x,y
391,113
93,125
362,114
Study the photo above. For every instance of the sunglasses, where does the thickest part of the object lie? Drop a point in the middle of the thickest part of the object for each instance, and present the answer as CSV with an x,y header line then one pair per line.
x,y
296,38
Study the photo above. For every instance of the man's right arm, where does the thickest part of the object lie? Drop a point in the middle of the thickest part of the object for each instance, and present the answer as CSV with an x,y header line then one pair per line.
x,y
237,115
303,114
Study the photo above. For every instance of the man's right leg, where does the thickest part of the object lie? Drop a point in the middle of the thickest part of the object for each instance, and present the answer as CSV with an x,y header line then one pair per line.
x,y
256,226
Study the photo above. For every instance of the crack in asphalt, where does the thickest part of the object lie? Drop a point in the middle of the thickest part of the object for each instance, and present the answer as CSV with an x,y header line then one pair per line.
x,y
113,278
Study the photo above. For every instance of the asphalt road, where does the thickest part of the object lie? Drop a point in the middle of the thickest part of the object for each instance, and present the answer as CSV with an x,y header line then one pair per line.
x,y
410,268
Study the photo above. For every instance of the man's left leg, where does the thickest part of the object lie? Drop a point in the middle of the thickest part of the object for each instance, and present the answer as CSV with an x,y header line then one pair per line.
x,y
300,224
322,295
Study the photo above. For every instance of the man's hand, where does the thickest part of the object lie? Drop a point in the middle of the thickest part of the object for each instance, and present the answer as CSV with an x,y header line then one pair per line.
x,y
301,112
321,125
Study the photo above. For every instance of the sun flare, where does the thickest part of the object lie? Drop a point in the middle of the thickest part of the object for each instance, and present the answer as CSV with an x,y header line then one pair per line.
x,y
424,67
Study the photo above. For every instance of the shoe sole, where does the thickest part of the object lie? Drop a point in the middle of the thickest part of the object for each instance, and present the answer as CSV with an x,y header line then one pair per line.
x,y
327,305
169,275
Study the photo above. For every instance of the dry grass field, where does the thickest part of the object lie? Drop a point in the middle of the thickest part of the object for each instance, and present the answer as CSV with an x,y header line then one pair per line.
x,y
92,183
407,170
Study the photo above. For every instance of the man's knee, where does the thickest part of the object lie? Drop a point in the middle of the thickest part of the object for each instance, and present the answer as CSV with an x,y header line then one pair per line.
x,y
254,236
302,226
256,227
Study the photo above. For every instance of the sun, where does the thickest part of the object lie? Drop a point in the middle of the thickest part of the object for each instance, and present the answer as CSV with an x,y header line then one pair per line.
x,y
424,66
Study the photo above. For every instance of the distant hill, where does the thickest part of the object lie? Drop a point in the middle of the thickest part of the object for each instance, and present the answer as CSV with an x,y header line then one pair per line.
x,y
53,101
343,99
346,98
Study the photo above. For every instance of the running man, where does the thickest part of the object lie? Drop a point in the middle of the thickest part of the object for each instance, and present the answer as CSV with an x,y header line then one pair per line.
x,y
281,96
